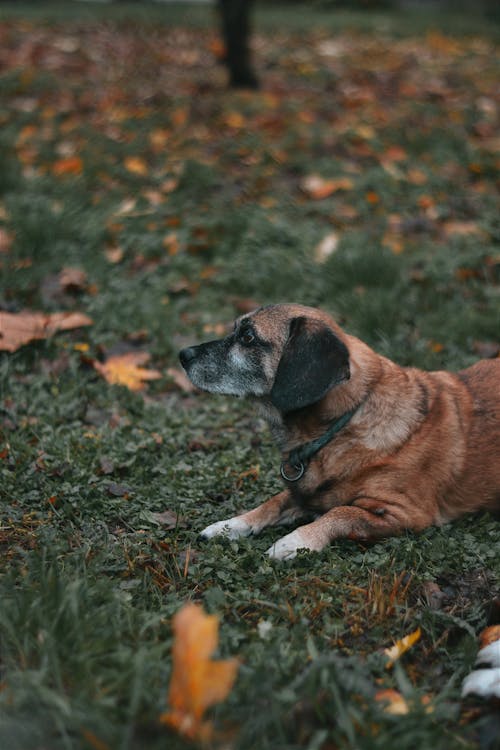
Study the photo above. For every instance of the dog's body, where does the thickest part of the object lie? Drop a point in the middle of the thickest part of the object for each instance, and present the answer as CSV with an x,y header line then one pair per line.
x,y
372,447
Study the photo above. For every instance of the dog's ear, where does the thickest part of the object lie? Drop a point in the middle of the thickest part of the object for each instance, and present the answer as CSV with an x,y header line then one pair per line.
x,y
313,361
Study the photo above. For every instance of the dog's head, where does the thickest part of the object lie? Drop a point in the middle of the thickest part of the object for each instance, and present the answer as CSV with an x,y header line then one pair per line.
x,y
290,354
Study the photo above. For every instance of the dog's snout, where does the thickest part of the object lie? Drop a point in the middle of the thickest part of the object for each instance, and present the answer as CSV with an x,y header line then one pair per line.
x,y
187,355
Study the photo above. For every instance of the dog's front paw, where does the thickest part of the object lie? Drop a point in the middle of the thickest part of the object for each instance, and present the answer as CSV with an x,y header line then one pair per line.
x,y
231,528
287,547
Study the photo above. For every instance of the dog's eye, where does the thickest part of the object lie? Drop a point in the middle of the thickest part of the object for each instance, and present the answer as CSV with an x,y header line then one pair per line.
x,y
247,337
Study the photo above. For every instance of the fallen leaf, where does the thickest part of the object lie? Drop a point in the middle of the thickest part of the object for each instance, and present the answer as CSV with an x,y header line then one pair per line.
x,y
114,254
486,349
18,329
171,243
197,681
73,279
394,702
115,489
234,120
136,165
125,369
244,304
71,165
169,519
490,635
181,380
461,228
401,646
317,187
326,247
5,240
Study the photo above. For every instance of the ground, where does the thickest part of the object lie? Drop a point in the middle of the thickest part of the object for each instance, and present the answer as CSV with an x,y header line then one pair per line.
x,y
362,178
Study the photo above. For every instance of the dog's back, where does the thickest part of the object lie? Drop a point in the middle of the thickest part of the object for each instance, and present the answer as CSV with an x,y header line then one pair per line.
x,y
482,470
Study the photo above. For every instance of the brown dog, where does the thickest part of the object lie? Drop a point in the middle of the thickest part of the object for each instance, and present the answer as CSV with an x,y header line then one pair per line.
x,y
371,447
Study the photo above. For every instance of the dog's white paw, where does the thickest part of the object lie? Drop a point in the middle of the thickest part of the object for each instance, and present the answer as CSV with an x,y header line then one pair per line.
x,y
231,528
287,547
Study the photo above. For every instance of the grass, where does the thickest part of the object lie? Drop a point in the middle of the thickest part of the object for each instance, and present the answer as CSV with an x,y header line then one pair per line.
x,y
201,191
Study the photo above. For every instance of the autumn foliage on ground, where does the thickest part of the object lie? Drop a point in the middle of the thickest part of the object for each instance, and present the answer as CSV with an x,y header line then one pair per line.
x,y
143,206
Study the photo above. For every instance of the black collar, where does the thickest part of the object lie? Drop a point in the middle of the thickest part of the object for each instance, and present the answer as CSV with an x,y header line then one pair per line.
x,y
299,458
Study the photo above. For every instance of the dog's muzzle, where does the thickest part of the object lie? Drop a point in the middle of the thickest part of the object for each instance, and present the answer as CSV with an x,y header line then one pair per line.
x,y
187,355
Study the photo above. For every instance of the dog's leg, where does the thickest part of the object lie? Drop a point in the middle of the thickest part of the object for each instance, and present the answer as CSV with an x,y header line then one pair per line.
x,y
344,521
278,510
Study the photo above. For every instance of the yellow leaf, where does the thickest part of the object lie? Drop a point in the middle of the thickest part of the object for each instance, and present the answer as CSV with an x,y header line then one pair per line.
x,y
399,648
197,681
124,369
234,120
136,165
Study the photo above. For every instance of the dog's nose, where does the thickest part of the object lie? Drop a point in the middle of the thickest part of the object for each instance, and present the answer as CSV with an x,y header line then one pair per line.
x,y
186,355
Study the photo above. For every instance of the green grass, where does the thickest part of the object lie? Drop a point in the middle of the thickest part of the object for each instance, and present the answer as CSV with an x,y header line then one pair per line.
x,y
89,580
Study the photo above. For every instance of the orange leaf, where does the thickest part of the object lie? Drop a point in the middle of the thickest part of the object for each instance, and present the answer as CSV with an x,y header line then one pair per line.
x,y
68,165
317,187
124,369
136,165
399,648
490,635
234,120
197,681
18,329
393,700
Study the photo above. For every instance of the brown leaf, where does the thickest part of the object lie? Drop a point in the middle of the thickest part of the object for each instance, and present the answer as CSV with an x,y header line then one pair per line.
x,y
317,187
486,349
394,702
71,165
197,681
73,279
136,165
170,519
18,329
181,380
5,240
244,304
114,254
125,369
461,228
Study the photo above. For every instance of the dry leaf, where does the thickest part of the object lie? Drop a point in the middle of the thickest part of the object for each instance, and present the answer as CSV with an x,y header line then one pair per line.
x,y
125,369
18,329
181,380
197,681
136,165
72,279
326,247
461,228
170,519
394,702
317,187
114,254
234,120
490,635
5,240
71,165
399,648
